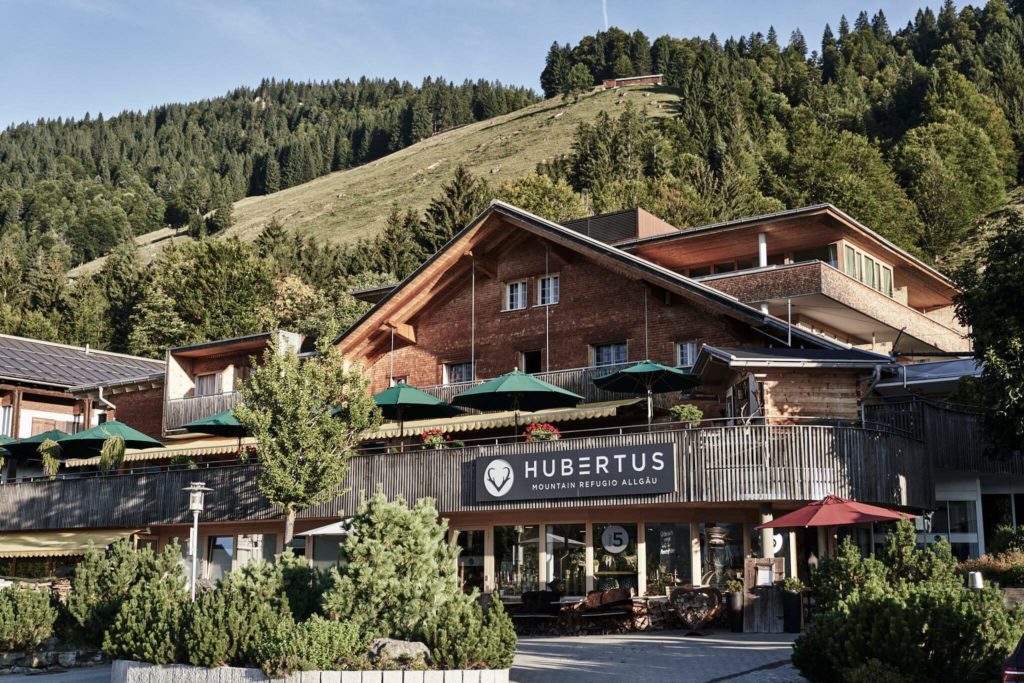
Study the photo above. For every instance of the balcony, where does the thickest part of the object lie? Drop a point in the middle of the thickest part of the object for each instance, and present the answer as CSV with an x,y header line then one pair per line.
x,y
181,411
713,465
576,380
825,297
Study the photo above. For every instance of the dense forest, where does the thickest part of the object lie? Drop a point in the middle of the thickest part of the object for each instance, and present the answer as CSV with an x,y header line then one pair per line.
x,y
92,184
917,132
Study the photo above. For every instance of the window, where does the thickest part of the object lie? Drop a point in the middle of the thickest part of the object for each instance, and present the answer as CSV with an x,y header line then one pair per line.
x,y
726,267
516,559
395,381
699,272
327,551
867,269
470,564
615,559
208,385
887,280
530,362
826,254
668,556
241,374
547,290
221,554
567,557
515,295
868,273
851,262
686,354
455,373
955,517
609,354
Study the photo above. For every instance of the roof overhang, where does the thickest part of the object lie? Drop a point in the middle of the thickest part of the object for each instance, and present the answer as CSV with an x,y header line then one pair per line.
x,y
710,356
121,386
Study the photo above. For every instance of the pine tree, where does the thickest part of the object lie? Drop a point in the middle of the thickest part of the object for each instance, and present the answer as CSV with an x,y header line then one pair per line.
x,y
156,325
556,70
460,201
578,81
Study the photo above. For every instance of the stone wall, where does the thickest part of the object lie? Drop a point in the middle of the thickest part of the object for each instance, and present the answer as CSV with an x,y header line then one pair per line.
x,y
139,672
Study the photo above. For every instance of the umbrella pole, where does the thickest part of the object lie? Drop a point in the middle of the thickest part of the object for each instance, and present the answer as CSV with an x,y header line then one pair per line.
x,y
401,432
650,408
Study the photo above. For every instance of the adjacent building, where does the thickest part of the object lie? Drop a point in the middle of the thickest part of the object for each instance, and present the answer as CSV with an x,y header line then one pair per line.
x,y
824,352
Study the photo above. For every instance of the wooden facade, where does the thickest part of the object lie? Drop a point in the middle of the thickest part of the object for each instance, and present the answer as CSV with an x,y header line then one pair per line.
x,y
716,465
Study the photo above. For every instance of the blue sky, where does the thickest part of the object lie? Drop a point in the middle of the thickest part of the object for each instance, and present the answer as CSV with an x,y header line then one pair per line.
x,y
68,57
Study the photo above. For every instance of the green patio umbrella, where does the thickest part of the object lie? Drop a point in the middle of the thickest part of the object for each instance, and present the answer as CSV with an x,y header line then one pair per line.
x,y
5,440
94,438
29,446
403,402
649,378
223,423
516,391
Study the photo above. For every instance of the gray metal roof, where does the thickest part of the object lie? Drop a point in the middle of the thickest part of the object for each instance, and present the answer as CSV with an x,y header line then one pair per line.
x,y
790,357
59,365
934,372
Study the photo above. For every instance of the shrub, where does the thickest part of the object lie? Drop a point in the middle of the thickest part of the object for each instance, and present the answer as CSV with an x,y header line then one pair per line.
x,y
1006,569
102,583
303,585
542,431
1005,539
460,636
316,644
27,617
224,624
148,626
688,413
911,613
399,569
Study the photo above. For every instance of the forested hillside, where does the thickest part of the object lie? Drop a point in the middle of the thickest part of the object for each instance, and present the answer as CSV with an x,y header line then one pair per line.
x,y
917,132
94,183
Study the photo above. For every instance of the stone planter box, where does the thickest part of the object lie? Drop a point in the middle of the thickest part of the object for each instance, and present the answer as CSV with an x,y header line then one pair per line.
x,y
43,660
125,671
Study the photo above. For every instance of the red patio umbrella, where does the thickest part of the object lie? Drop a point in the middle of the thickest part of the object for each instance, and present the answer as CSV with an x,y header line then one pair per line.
x,y
835,511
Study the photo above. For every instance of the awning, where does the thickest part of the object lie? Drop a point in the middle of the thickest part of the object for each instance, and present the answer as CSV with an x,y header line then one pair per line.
x,y
469,423
339,528
190,448
58,543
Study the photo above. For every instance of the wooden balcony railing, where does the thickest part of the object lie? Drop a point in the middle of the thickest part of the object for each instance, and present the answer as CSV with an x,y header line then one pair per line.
x,y
713,465
576,380
181,411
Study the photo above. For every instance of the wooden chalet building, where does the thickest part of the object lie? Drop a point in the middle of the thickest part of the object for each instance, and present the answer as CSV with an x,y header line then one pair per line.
x,y
807,330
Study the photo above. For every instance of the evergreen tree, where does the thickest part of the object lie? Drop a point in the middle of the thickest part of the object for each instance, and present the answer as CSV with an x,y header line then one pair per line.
x,y
156,325
578,81
460,201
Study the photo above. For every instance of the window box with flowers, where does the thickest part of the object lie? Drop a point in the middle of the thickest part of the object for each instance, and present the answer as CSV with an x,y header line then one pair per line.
x,y
542,431
437,439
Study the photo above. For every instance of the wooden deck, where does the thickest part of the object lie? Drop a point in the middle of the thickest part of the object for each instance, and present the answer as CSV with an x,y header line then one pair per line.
x,y
713,465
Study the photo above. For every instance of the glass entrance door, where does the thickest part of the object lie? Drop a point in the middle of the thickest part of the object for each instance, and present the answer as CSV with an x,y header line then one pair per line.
x,y
471,559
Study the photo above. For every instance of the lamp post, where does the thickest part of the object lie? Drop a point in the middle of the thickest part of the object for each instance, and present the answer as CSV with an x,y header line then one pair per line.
x,y
197,490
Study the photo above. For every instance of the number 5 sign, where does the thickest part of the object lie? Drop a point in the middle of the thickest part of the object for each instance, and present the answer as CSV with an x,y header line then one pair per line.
x,y
615,539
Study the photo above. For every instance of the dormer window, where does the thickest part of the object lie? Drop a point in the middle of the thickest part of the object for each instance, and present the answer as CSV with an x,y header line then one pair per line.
x,y
515,295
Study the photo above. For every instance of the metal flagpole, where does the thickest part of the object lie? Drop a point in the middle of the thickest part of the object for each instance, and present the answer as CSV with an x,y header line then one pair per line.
x,y
647,350
547,311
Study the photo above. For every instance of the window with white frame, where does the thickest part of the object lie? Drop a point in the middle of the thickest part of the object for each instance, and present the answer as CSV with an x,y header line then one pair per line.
x,y
547,290
686,354
515,295
208,385
455,373
609,354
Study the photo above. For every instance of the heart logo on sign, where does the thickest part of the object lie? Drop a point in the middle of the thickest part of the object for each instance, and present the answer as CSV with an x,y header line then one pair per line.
x,y
498,478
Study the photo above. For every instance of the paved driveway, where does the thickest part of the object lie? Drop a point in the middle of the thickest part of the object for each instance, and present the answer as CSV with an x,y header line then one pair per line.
x,y
658,656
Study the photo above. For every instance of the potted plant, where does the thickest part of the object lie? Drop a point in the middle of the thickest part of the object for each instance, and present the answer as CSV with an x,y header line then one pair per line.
x,y
793,604
542,431
687,413
734,604
435,438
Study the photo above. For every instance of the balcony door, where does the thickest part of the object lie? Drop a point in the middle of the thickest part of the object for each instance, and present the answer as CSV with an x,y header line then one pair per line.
x,y
530,362
208,385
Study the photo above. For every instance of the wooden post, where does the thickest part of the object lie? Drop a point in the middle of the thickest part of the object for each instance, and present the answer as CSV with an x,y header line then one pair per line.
x,y
695,565
641,559
588,554
489,574
16,415
542,556
767,536
823,550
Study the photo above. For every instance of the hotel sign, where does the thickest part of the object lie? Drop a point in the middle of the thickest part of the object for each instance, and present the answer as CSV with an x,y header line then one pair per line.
x,y
643,469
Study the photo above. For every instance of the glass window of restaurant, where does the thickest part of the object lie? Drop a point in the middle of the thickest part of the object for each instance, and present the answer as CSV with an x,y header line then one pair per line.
x,y
667,547
516,559
327,550
721,552
566,548
615,556
471,559
222,554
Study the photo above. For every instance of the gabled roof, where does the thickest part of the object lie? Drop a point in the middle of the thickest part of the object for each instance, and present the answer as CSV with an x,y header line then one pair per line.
x,y
651,272
62,366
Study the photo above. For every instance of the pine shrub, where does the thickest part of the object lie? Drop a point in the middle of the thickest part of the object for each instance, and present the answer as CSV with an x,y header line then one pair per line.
x,y
148,627
224,624
911,613
400,569
102,582
304,585
315,644
27,617
460,636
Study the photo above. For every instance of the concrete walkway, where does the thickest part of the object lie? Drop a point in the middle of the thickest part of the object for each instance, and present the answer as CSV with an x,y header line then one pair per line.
x,y
720,657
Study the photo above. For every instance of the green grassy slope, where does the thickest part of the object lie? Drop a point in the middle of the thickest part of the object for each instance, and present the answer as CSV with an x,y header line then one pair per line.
x,y
348,205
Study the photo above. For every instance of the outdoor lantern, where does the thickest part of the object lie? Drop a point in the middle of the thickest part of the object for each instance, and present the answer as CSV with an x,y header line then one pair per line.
x,y
812,562
975,581
197,490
